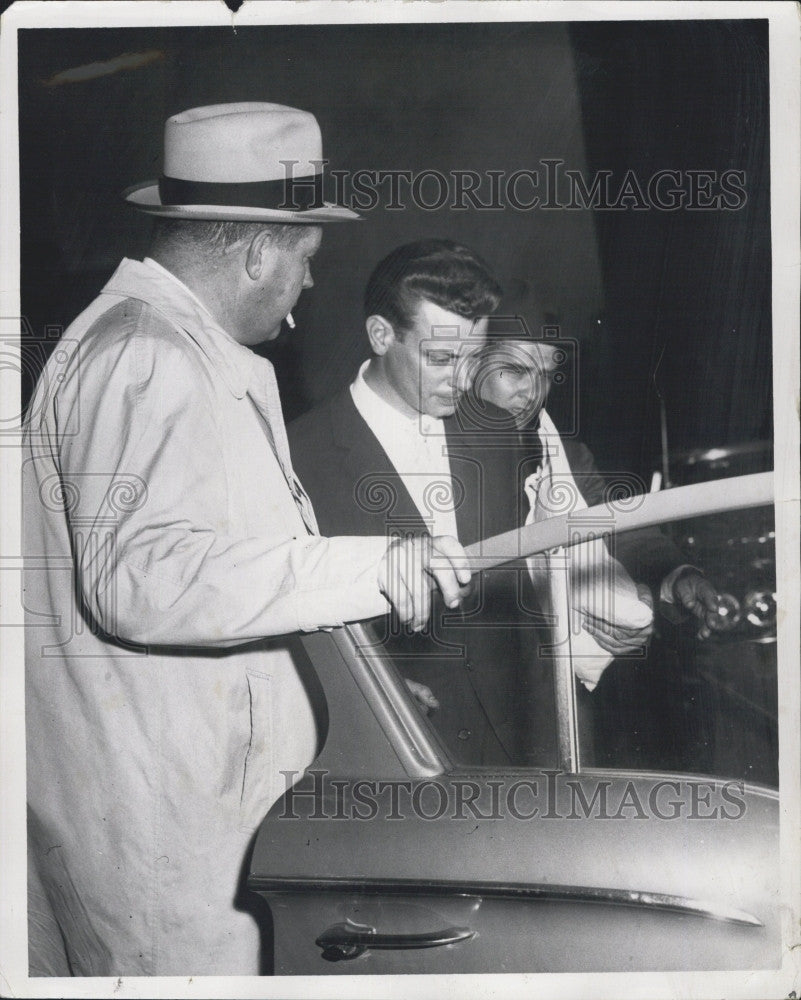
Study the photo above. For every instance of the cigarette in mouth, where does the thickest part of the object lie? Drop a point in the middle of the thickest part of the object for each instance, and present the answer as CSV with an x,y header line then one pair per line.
x,y
290,322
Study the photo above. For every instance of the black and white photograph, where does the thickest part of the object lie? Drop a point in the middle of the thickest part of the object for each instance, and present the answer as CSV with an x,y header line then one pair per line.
x,y
400,500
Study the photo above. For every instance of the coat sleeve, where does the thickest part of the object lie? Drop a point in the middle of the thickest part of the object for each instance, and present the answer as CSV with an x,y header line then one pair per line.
x,y
155,557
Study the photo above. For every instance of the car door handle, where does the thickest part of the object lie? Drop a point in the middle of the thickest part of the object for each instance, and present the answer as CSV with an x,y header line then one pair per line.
x,y
349,940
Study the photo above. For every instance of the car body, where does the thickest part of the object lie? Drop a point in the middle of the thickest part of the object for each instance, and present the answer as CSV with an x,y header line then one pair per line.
x,y
387,856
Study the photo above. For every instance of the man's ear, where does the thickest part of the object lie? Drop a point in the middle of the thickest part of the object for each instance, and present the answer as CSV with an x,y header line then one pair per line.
x,y
380,333
256,258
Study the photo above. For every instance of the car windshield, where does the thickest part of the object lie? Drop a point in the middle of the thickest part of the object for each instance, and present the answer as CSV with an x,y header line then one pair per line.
x,y
487,680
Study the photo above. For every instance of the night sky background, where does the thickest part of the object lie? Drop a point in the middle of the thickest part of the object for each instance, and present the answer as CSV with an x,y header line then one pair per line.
x,y
631,287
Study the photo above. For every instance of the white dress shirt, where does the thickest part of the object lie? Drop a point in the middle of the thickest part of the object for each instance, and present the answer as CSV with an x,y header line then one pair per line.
x,y
417,448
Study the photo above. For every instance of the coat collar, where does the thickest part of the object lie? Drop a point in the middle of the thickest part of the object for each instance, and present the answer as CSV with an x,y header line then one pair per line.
x,y
151,283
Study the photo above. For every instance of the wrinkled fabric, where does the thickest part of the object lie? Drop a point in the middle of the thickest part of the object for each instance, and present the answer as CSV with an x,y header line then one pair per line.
x,y
163,544
599,586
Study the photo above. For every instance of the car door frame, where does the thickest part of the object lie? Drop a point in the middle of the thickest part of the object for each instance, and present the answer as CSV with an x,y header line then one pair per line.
x,y
413,749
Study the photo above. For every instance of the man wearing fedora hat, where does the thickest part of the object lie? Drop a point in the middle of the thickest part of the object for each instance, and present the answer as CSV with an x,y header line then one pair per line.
x,y
171,555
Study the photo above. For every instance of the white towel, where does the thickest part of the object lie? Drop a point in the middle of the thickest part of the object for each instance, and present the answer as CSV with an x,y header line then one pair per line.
x,y
600,587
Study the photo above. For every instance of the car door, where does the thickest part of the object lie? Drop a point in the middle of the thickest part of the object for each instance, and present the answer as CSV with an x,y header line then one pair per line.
x,y
622,852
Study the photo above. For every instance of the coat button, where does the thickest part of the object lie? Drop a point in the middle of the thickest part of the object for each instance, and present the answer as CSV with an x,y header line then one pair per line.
x,y
464,734
469,664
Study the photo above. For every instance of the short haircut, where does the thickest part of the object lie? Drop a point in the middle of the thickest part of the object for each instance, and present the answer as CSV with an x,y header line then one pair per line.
x,y
505,330
208,236
448,274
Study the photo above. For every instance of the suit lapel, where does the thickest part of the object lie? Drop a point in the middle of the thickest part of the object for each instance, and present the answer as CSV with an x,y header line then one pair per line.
x,y
379,488
485,467
466,480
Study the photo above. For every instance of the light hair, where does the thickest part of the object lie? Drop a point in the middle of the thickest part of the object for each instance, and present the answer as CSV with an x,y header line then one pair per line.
x,y
209,238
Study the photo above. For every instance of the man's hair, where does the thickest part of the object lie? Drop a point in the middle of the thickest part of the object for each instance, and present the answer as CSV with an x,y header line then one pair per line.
x,y
448,274
505,330
207,237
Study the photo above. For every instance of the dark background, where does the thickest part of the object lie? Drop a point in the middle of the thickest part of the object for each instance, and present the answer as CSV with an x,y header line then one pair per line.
x,y
633,286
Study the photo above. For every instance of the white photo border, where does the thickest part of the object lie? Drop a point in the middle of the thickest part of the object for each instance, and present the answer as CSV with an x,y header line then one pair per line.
x,y
785,152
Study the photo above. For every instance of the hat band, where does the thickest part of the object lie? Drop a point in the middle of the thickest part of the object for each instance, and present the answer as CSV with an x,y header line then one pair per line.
x,y
291,194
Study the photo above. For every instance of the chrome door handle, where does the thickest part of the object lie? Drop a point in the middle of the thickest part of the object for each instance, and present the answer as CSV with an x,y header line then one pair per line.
x,y
349,940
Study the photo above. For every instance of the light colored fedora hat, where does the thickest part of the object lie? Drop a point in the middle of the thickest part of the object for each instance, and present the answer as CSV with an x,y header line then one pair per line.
x,y
247,162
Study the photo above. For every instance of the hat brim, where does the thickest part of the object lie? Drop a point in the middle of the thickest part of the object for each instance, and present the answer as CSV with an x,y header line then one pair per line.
x,y
145,197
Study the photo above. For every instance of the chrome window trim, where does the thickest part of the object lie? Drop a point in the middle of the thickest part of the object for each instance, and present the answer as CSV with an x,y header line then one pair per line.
x,y
643,510
416,745
525,891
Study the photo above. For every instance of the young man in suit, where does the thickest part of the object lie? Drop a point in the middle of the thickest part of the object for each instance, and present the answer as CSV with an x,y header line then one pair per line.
x,y
390,455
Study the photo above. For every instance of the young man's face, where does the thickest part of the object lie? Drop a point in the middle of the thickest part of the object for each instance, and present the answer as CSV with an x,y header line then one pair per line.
x,y
517,376
431,367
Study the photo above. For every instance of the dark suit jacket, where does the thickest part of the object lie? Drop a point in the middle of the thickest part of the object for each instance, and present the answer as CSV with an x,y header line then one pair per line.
x,y
495,690
472,659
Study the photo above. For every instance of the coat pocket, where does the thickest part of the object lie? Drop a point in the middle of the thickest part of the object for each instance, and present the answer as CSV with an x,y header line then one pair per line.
x,y
258,781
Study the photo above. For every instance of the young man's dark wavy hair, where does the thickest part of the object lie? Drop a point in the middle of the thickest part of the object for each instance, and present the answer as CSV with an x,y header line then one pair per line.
x,y
446,273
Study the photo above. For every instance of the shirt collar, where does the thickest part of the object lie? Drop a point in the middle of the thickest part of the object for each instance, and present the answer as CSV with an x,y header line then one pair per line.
x,y
377,412
547,433
149,282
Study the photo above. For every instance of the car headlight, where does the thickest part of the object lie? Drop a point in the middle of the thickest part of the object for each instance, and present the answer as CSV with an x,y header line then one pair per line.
x,y
760,608
727,614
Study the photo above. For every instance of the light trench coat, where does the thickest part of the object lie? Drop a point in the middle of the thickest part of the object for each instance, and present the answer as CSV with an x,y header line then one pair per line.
x,y
162,546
